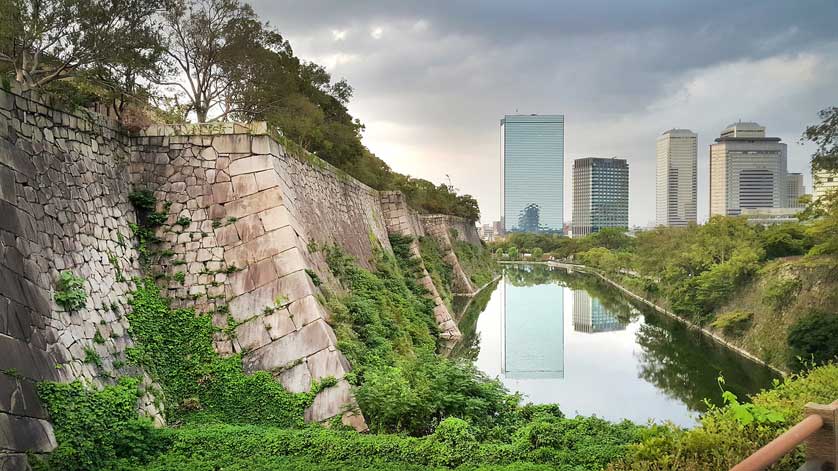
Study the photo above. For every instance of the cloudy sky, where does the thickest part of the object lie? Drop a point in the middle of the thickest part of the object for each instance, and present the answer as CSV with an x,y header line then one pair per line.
x,y
433,78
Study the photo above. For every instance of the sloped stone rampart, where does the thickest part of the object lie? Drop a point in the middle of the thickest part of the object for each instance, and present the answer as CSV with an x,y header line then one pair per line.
x,y
246,225
63,207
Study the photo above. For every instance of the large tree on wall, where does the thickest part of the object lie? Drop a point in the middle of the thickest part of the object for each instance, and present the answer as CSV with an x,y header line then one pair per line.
x,y
111,41
209,41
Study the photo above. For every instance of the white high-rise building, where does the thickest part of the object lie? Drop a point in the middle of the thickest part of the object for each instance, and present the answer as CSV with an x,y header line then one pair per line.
x,y
794,190
824,182
747,170
677,157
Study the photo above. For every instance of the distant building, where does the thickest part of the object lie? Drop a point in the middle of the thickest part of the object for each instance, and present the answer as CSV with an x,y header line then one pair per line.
x,y
747,170
533,173
770,216
824,182
590,316
794,190
676,188
600,195
487,232
497,229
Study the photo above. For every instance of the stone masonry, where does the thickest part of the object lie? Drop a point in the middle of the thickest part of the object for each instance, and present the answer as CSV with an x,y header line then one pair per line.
x,y
246,221
403,220
63,206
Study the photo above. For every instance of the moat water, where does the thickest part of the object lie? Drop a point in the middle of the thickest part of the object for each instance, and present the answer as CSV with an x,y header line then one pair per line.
x,y
569,339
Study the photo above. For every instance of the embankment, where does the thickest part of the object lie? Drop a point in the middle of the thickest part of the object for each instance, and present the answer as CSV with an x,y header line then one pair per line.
x,y
243,220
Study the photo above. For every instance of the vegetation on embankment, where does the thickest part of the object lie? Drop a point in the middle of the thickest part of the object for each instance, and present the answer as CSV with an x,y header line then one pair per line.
x,y
754,286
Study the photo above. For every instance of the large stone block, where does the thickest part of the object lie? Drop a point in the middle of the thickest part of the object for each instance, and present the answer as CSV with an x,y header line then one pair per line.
x,y
26,434
334,401
252,334
232,144
275,218
262,247
296,379
254,203
306,310
327,363
290,348
252,164
279,323
290,261
249,227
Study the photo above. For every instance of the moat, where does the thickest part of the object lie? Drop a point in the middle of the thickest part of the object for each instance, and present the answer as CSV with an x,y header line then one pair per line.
x,y
569,339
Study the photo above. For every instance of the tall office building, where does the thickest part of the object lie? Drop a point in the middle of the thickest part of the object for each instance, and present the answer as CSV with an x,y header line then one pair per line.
x,y
600,195
676,195
824,182
794,190
747,170
533,172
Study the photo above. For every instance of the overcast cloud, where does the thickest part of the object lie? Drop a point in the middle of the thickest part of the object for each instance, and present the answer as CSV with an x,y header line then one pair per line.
x,y
433,79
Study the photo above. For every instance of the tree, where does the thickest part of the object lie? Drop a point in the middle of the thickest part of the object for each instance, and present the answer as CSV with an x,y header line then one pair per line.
x,y
537,254
114,41
207,40
825,137
513,253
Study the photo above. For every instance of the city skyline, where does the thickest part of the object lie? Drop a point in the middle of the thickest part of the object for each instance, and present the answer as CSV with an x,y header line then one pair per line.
x,y
431,83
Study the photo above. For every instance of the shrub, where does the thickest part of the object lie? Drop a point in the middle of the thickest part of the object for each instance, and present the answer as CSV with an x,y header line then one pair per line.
x,y
733,321
69,291
95,429
814,338
779,293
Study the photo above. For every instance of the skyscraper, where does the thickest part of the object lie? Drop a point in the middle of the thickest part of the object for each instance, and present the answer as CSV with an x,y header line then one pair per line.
x,y
676,195
600,195
747,170
794,190
533,172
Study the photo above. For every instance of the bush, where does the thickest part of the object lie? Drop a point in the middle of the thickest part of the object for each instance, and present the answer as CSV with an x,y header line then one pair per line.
x,y
814,338
779,293
175,347
733,321
69,291
96,429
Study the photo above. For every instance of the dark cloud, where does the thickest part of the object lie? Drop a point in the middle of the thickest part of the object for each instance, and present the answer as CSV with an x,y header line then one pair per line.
x,y
432,79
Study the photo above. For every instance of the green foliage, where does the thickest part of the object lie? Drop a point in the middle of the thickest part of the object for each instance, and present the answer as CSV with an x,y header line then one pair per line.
x,y
784,240
314,277
69,291
180,276
781,292
184,221
175,347
814,339
99,429
387,331
547,443
441,273
143,200
728,434
476,261
512,253
92,357
732,321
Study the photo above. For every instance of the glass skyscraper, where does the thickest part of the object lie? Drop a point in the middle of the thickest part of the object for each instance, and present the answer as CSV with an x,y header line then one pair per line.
x,y
533,172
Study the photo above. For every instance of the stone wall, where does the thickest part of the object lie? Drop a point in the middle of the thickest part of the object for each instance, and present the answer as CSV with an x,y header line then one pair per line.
x,y
251,217
446,229
403,220
63,206
246,222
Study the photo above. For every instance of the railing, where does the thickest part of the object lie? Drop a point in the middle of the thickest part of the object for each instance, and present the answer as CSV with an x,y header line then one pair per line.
x,y
818,430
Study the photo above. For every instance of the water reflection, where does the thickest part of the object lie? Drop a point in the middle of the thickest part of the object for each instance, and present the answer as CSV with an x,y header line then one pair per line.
x,y
607,357
533,331
590,316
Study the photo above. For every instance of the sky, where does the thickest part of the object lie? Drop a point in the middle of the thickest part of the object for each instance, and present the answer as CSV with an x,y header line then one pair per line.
x,y
433,78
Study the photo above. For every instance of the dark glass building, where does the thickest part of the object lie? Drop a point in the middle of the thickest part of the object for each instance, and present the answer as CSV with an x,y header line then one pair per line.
x,y
533,173
600,195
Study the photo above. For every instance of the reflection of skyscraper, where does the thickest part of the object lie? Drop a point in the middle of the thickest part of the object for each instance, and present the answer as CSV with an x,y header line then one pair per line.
x,y
533,172
533,332
590,316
